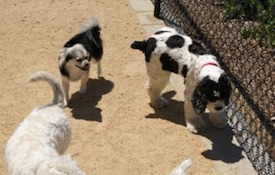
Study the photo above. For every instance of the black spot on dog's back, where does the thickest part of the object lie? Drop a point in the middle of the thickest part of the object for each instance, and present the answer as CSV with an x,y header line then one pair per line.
x,y
161,32
175,41
168,63
197,48
93,46
184,71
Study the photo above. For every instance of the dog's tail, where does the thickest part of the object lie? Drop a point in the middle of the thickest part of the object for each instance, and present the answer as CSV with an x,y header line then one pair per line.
x,y
59,98
90,25
139,45
146,46
180,169
92,28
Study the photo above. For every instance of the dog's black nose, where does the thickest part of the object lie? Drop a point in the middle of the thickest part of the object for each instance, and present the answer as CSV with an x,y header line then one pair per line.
x,y
86,64
218,108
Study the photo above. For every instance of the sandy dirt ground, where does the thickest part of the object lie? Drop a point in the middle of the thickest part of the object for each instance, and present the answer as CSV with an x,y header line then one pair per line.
x,y
114,130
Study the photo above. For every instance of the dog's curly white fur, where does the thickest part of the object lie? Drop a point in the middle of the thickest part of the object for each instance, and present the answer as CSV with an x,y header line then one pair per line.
x,y
38,144
206,84
181,168
76,55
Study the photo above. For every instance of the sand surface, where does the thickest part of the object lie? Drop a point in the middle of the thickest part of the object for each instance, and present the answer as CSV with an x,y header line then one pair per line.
x,y
115,131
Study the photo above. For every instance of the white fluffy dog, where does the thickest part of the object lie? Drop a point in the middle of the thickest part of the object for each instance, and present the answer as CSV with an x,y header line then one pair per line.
x,y
181,168
206,84
37,145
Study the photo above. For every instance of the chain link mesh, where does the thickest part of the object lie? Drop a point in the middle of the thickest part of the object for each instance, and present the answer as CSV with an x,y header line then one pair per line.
x,y
251,68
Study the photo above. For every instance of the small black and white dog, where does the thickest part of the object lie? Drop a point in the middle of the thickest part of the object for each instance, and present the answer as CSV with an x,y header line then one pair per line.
x,y
206,85
76,55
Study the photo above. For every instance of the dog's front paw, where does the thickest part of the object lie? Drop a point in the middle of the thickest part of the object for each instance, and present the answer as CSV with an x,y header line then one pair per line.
x,y
82,90
160,102
196,127
219,120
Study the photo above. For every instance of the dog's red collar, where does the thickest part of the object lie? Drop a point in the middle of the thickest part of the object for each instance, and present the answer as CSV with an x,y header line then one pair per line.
x,y
208,64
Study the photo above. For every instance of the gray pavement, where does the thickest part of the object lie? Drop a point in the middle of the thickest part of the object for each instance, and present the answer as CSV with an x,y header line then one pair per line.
x,y
223,147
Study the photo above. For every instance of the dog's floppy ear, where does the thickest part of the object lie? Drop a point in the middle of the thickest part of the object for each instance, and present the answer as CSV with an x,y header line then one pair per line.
x,y
199,99
225,88
69,56
62,54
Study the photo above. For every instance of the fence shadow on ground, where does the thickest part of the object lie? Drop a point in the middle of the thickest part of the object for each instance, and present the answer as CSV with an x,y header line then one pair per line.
x,y
84,105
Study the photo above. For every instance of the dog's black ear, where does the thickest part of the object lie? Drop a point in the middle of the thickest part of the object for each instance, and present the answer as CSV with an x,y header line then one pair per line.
x,y
147,47
199,99
225,88
69,56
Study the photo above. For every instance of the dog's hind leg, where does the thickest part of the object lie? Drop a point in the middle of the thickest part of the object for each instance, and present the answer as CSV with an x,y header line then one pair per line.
x,y
98,69
154,86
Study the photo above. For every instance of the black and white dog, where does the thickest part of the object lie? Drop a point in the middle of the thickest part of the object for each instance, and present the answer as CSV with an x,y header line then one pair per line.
x,y
206,85
76,55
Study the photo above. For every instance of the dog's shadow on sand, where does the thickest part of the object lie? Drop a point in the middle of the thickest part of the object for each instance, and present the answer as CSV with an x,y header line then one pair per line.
x,y
173,112
84,105
223,148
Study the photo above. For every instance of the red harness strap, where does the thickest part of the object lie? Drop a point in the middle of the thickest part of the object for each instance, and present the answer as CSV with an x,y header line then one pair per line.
x,y
208,64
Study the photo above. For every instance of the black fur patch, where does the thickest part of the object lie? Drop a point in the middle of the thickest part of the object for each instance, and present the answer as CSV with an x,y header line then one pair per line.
x,y
225,88
69,57
175,41
93,46
63,70
184,71
160,32
196,48
208,90
151,45
140,45
147,47
168,63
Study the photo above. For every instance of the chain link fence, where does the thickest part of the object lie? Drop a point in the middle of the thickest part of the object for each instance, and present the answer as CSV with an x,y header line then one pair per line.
x,y
250,66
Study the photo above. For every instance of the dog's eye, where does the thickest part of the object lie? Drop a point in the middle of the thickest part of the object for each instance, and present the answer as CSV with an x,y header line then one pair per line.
x,y
79,60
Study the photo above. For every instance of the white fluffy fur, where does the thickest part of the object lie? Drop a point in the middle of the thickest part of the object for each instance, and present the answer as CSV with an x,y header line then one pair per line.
x,y
194,121
181,168
158,78
38,144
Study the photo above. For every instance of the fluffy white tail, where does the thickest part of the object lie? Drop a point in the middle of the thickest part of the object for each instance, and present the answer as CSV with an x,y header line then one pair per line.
x,y
58,95
180,169
89,25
